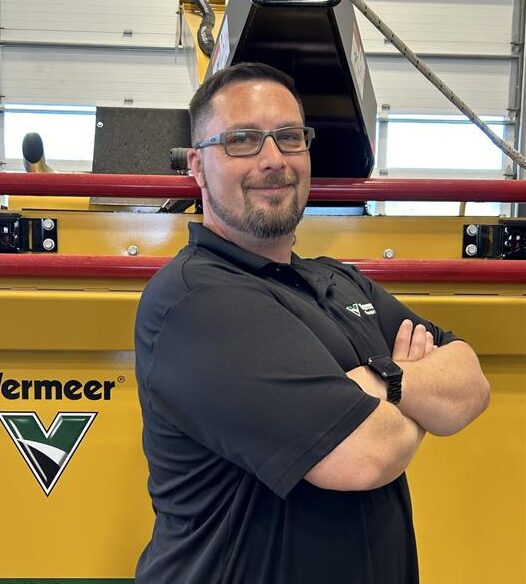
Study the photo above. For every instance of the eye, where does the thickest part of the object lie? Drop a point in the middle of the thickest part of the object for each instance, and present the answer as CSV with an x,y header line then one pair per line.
x,y
236,137
241,137
291,135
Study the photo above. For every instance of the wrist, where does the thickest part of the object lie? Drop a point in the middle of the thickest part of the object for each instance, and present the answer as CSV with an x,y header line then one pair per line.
x,y
391,373
369,382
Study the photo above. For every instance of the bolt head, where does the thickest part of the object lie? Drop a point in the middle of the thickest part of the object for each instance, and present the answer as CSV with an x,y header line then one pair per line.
x,y
389,253
133,250
48,244
472,230
471,250
48,224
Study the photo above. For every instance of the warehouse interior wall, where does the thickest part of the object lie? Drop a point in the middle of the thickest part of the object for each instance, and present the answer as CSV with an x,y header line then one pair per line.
x,y
63,58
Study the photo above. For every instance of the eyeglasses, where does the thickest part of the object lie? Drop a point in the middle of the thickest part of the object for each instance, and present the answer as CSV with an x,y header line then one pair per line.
x,y
250,142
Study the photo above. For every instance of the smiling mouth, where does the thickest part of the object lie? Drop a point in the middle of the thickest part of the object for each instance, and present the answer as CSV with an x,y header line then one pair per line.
x,y
271,187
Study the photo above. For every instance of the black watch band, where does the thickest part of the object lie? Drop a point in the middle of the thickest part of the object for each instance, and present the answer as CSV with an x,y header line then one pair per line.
x,y
390,372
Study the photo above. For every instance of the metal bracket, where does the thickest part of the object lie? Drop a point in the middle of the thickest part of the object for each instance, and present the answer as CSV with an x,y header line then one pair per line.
x,y
506,241
20,234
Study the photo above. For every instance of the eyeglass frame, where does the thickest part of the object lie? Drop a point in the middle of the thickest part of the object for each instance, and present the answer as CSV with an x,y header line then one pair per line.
x,y
220,138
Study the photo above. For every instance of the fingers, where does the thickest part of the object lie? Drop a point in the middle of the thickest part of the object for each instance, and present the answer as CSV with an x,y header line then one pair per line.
x,y
417,349
430,342
412,344
402,342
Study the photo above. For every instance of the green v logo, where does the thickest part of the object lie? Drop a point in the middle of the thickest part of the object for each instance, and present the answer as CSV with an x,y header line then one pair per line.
x,y
47,452
354,308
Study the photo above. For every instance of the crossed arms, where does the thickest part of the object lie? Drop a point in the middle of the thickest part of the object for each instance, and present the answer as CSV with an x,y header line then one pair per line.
x,y
443,390
262,389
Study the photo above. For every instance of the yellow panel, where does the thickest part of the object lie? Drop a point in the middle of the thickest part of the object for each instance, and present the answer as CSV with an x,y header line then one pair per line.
x,y
493,325
100,233
96,520
455,288
163,234
74,203
103,320
469,490
73,320
369,237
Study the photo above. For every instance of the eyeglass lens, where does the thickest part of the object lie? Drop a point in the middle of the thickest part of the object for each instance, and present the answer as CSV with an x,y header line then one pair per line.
x,y
246,142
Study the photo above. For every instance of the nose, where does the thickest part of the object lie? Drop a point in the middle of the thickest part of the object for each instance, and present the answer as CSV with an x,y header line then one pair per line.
x,y
270,156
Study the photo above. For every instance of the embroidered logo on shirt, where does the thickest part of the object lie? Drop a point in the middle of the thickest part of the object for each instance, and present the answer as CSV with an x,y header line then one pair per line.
x,y
357,309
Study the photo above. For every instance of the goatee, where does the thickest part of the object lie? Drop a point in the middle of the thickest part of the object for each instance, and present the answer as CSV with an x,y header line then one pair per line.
x,y
278,218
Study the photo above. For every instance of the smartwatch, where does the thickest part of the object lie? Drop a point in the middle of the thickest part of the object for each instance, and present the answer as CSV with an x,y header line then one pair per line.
x,y
389,371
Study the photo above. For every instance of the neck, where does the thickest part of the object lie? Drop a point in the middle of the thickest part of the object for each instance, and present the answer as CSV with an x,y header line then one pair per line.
x,y
277,249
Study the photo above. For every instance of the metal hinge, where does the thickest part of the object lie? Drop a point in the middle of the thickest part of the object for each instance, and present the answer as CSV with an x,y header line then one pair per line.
x,y
20,234
506,241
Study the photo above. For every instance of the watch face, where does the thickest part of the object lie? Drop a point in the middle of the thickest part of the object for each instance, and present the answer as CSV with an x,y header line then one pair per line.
x,y
385,365
392,373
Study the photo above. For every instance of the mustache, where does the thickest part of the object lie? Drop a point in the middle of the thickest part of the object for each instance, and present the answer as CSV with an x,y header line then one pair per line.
x,y
275,180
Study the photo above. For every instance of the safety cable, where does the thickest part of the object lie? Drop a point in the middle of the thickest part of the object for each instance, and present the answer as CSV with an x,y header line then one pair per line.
x,y
389,34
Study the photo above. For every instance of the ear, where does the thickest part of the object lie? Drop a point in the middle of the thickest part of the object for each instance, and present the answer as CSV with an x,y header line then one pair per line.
x,y
195,164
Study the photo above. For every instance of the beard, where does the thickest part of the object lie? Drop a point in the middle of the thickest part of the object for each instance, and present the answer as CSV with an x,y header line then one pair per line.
x,y
279,217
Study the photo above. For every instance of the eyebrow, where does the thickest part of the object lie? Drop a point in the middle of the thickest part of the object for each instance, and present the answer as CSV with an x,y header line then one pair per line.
x,y
250,126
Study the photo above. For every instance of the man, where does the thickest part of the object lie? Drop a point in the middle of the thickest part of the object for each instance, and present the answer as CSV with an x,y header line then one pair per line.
x,y
276,448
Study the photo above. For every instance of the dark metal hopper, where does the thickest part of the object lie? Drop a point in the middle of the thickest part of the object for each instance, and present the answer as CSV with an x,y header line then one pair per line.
x,y
318,44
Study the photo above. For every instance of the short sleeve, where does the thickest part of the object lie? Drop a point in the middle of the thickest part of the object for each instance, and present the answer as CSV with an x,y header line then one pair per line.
x,y
240,374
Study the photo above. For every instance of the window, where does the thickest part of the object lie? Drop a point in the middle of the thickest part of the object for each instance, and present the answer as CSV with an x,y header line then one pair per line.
x,y
67,132
449,142
426,146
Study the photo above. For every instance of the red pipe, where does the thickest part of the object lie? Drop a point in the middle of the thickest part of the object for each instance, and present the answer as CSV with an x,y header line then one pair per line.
x,y
323,189
98,185
142,268
467,270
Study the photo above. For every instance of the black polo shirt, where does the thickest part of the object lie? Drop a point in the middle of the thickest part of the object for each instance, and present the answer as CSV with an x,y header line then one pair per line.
x,y
241,367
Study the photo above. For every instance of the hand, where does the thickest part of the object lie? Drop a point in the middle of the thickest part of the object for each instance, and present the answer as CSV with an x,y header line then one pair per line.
x,y
412,344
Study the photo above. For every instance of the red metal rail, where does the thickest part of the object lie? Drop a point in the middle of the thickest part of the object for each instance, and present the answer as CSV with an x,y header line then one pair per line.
x,y
142,268
179,187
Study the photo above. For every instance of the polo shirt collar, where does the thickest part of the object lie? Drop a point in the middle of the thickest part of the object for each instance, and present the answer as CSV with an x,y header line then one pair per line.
x,y
204,237
320,282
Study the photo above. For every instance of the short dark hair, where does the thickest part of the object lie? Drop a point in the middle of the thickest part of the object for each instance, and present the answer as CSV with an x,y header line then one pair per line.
x,y
201,103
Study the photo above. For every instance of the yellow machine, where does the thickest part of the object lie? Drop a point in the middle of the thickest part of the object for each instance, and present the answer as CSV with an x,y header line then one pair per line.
x,y
75,502
67,349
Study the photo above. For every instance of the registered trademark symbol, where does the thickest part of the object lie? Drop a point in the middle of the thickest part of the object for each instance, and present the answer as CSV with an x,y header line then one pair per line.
x,y
121,379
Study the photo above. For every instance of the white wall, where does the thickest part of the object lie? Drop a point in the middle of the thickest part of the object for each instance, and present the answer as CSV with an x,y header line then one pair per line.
x,y
94,76
444,27
154,77
453,36
153,23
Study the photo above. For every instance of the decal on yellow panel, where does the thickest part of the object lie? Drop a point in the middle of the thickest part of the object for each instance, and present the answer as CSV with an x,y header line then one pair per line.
x,y
48,451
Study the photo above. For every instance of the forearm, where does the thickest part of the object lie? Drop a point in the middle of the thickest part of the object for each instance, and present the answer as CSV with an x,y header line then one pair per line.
x,y
373,455
395,438
444,391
